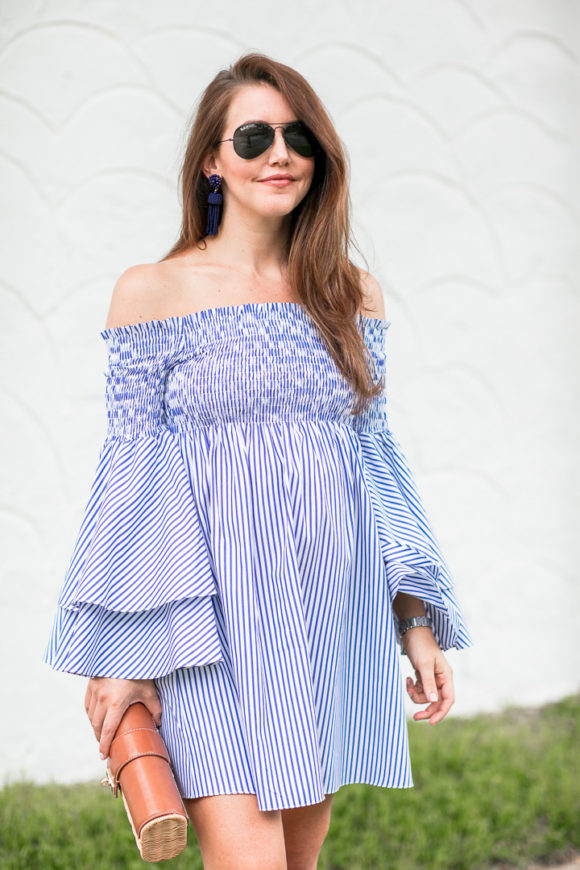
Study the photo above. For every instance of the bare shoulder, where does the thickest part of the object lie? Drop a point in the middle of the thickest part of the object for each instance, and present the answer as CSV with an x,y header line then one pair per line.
x,y
374,303
137,295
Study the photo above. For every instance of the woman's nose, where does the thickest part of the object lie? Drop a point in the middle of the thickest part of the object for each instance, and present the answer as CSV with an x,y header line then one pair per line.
x,y
279,148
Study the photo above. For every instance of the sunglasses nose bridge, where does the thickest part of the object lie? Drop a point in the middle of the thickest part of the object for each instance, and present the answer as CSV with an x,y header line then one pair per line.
x,y
278,139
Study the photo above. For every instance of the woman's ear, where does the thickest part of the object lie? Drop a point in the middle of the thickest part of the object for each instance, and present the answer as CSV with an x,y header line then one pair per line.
x,y
209,166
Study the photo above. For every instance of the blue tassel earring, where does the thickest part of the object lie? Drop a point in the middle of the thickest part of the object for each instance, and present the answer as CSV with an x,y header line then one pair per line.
x,y
214,205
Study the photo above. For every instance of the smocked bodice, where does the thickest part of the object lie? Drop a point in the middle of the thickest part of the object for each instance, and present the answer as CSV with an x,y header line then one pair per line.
x,y
256,362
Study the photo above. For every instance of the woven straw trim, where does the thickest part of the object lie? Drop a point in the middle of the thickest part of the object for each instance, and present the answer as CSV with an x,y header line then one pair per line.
x,y
162,838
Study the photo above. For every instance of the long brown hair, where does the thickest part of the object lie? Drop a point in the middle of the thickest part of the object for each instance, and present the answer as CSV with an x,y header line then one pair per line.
x,y
320,271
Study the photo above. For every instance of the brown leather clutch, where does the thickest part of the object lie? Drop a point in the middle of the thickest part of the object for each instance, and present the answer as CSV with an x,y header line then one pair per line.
x,y
140,768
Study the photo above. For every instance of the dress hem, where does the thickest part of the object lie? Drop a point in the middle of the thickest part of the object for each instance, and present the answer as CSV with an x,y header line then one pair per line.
x,y
269,805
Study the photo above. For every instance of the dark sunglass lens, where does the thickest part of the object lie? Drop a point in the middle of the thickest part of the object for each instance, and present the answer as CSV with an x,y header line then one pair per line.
x,y
251,140
299,137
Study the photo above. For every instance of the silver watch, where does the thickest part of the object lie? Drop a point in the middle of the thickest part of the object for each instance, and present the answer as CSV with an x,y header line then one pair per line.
x,y
406,624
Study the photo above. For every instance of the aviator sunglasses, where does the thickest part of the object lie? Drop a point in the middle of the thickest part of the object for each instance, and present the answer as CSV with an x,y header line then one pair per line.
x,y
252,139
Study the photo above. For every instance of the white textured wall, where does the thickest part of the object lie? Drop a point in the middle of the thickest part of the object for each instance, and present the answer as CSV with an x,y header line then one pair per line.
x,y
459,120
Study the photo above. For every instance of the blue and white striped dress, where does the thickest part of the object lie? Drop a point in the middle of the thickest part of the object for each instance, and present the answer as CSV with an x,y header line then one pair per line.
x,y
242,543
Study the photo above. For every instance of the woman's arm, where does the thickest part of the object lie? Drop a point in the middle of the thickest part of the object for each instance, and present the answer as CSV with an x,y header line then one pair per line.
x,y
406,606
433,672
107,698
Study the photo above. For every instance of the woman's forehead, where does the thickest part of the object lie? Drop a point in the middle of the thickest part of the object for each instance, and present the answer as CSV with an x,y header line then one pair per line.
x,y
259,103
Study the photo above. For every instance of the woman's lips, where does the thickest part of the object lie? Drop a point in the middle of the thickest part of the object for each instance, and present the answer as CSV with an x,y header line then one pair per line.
x,y
277,182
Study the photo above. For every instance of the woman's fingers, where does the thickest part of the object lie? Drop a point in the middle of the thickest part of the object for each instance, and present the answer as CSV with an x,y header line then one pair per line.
x,y
444,706
106,700
439,709
88,695
91,698
433,680
417,692
153,704
110,724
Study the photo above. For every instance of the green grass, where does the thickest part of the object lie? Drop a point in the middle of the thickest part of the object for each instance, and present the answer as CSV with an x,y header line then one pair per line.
x,y
489,790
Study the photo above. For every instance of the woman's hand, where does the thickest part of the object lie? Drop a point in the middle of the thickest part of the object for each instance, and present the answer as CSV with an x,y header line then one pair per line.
x,y
107,699
434,674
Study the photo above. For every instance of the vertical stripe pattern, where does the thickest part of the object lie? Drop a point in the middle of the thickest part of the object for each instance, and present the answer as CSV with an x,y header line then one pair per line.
x,y
244,538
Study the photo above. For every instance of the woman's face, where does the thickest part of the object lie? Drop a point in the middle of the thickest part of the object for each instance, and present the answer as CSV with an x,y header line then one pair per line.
x,y
243,184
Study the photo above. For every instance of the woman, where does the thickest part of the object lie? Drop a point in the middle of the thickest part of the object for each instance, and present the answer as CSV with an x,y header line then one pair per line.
x,y
254,540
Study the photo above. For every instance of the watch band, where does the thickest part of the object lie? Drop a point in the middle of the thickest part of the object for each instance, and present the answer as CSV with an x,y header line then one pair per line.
x,y
406,624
